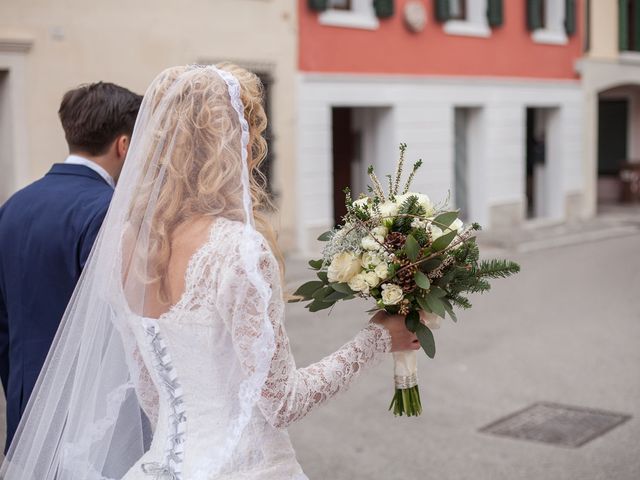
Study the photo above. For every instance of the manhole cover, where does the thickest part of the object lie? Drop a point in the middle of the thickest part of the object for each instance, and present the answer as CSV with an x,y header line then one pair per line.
x,y
556,424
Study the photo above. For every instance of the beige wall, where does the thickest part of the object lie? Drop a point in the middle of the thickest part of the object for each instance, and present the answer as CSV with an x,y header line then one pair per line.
x,y
78,41
603,41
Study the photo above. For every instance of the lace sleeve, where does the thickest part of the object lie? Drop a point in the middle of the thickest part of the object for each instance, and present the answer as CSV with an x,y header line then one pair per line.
x,y
289,393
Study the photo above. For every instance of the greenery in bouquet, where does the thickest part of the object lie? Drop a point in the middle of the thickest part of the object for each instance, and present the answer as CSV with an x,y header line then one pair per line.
x,y
404,252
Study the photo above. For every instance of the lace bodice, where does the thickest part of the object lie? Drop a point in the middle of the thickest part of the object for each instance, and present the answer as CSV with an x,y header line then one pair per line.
x,y
200,345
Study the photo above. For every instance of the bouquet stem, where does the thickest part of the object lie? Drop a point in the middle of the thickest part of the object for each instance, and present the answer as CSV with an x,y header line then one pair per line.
x,y
406,400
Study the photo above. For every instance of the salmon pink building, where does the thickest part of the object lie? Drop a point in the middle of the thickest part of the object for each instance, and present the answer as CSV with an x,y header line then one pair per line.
x,y
486,92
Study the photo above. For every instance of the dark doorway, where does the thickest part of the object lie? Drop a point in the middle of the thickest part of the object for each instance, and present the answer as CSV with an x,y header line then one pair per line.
x,y
613,116
343,154
536,152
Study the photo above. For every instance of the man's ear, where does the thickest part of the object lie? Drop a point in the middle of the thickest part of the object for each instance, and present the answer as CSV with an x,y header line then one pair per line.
x,y
122,145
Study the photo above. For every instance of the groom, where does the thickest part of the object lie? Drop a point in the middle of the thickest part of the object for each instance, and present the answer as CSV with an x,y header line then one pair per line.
x,y
48,228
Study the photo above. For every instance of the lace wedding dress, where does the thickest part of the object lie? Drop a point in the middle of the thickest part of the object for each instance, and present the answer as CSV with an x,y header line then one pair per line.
x,y
189,349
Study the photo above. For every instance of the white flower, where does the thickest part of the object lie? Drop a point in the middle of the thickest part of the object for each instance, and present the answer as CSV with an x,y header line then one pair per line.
x,y
344,266
456,225
371,243
359,284
431,320
380,232
382,271
391,294
361,202
370,260
436,232
388,209
371,278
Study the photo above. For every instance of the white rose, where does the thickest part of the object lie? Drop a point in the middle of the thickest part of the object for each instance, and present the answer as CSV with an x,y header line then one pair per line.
x,y
382,271
371,278
370,260
436,232
388,209
456,225
359,284
371,243
431,320
344,266
391,294
380,232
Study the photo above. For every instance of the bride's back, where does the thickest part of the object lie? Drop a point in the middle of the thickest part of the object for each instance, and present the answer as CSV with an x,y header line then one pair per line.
x,y
186,240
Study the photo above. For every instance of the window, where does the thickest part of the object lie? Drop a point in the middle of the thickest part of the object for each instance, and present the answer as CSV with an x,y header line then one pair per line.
x,y
350,14
462,17
546,20
339,4
629,25
457,9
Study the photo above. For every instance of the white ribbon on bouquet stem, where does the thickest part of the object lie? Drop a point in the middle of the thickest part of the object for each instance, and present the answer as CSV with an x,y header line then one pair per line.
x,y
405,363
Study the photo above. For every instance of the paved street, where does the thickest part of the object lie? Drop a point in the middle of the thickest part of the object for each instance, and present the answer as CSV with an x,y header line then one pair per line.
x,y
566,331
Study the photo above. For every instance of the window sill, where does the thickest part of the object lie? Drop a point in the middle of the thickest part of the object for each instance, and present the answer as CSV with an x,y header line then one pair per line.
x,y
550,37
630,56
338,18
467,29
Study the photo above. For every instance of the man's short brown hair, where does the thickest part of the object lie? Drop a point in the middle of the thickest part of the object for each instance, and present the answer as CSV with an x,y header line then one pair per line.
x,y
94,115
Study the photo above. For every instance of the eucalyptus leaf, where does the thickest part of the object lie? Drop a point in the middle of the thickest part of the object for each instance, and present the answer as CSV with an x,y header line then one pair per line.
x,y
308,289
449,309
422,280
326,236
443,242
411,248
438,292
316,264
335,296
427,342
422,301
435,305
318,305
342,287
412,321
430,264
322,293
444,220
323,276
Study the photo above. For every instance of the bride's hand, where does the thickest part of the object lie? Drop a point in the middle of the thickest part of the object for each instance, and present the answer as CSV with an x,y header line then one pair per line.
x,y
401,338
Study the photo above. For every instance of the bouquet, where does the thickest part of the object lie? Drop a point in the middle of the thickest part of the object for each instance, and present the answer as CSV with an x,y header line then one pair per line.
x,y
411,257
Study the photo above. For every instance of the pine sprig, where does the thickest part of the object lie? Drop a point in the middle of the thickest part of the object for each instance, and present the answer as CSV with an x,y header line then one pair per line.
x,y
497,268
409,209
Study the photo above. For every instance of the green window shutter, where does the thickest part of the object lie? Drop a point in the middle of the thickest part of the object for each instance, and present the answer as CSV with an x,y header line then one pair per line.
x,y
383,8
636,27
495,15
534,20
570,17
623,33
442,10
317,5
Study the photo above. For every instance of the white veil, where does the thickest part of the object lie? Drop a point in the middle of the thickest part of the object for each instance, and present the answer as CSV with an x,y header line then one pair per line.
x,y
85,418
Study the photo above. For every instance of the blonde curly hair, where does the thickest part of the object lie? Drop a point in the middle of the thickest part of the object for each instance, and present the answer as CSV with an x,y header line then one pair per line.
x,y
200,173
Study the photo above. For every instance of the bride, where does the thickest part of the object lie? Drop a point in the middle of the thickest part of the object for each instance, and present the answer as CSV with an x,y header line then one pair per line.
x,y
172,361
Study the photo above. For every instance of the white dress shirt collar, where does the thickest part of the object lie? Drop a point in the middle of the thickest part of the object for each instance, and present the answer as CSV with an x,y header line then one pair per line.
x,y
78,160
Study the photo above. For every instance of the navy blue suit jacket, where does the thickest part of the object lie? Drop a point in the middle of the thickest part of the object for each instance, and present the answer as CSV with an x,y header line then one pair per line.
x,y
46,233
